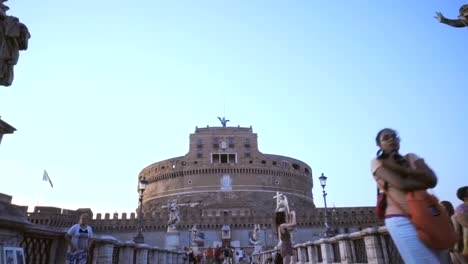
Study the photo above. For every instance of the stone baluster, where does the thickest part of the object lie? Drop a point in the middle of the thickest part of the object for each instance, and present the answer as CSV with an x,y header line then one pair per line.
x,y
168,257
153,255
300,248
126,252
327,254
346,252
141,253
373,246
311,255
104,248
382,232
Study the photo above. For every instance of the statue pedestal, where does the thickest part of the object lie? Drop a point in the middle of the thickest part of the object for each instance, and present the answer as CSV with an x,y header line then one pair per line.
x,y
172,240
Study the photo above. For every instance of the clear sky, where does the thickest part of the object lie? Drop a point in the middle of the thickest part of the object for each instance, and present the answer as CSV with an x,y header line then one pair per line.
x,y
109,87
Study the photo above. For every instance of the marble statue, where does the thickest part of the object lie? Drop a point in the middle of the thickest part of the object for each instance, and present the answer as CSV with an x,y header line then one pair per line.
x,y
14,37
281,203
462,20
174,217
174,214
195,236
255,239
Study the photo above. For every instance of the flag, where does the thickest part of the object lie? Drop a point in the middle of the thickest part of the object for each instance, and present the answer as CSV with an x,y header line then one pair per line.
x,y
46,178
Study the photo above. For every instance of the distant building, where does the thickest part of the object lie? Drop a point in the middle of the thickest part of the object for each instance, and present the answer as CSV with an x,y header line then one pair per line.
x,y
5,128
229,183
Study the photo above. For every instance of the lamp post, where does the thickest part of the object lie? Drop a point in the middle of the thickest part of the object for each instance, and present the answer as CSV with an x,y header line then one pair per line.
x,y
323,182
139,238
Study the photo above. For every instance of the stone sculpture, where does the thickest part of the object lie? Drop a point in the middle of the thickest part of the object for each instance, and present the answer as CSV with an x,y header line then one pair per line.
x,y
174,214
462,20
223,121
14,37
281,203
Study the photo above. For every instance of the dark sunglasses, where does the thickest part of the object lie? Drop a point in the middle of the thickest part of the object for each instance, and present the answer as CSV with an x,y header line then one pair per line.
x,y
389,136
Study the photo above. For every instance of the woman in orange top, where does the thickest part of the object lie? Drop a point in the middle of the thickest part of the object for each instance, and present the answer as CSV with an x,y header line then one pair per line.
x,y
398,174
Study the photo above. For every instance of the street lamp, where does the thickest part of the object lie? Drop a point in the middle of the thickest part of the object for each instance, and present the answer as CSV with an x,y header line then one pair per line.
x,y
264,236
323,182
139,239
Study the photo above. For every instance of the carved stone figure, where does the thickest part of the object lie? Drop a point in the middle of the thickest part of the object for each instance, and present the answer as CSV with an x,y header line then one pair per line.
x,y
174,217
281,203
256,233
223,121
14,37
195,236
255,239
462,20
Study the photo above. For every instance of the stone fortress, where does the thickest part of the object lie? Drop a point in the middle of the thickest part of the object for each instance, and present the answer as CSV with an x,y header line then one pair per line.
x,y
224,183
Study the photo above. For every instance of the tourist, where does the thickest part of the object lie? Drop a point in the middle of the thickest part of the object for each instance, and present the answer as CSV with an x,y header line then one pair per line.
x,y
284,229
217,255
209,255
461,217
398,174
79,238
191,256
452,254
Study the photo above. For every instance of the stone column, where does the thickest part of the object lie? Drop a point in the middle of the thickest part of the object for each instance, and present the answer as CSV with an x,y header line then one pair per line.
x,y
141,253
311,253
373,246
126,253
152,256
300,248
168,257
346,253
162,256
382,233
327,254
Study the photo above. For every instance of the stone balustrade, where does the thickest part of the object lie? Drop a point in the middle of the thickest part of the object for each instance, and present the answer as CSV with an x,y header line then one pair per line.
x,y
371,245
46,244
107,249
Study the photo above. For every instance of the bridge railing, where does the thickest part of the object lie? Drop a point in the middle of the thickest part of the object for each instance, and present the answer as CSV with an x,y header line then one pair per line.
x,y
371,245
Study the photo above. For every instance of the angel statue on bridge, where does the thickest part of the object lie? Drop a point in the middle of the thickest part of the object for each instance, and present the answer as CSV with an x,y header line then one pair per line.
x,y
174,217
462,20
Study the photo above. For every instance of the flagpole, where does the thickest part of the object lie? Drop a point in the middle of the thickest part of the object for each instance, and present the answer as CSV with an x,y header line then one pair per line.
x,y
40,192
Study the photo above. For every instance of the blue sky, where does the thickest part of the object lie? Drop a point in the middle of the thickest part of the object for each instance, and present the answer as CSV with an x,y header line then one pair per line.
x,y
109,87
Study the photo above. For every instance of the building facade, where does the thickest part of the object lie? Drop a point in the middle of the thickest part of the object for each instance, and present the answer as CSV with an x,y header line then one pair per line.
x,y
224,181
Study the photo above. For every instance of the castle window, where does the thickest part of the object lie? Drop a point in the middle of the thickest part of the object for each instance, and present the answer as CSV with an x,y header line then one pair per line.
x,y
247,143
215,142
199,153
223,158
274,162
296,166
306,170
231,142
199,143
263,162
247,154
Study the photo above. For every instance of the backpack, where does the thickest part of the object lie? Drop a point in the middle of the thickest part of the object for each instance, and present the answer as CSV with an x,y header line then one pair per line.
x,y
430,220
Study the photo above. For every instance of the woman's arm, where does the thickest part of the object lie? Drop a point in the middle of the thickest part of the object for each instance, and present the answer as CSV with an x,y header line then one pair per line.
x,y
291,224
419,172
394,179
68,238
423,173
